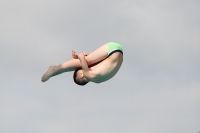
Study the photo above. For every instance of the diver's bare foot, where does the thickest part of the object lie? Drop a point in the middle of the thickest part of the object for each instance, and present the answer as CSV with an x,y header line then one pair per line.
x,y
48,74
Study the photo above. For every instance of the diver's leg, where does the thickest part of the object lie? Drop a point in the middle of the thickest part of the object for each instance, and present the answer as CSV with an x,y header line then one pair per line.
x,y
98,55
67,66
94,57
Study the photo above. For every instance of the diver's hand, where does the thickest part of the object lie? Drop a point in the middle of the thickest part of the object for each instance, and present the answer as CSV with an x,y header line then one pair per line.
x,y
82,55
75,56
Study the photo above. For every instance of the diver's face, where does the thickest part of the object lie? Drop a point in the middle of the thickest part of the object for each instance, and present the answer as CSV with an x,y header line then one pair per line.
x,y
80,77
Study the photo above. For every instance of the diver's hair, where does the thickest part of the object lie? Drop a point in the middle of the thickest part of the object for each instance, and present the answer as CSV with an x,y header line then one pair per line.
x,y
74,76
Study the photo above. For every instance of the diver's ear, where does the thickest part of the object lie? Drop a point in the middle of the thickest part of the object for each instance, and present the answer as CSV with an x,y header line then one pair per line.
x,y
81,76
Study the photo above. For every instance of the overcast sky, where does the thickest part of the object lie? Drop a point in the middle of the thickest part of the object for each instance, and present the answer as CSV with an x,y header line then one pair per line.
x,y
157,89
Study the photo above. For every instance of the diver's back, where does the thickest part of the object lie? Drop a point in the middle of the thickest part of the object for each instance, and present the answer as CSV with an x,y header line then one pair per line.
x,y
107,68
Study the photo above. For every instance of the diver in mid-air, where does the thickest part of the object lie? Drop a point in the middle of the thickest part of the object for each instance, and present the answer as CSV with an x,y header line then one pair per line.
x,y
99,66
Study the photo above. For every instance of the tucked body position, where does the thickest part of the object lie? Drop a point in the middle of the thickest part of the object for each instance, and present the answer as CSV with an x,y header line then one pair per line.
x,y
99,66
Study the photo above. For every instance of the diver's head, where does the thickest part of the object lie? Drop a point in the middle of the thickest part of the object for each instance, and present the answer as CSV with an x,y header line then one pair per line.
x,y
79,78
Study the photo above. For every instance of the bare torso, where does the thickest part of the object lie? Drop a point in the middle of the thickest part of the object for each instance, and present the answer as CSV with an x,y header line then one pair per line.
x,y
106,69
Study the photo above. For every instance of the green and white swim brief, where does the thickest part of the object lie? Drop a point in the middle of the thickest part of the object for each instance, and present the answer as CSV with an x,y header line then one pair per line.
x,y
114,47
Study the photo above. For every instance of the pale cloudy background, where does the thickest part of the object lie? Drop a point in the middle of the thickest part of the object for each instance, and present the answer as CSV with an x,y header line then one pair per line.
x,y
157,89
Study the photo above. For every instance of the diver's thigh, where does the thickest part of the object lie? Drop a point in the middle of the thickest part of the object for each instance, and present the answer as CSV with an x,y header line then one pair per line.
x,y
98,55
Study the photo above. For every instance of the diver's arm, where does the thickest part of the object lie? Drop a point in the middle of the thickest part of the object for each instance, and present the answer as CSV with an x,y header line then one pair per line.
x,y
85,68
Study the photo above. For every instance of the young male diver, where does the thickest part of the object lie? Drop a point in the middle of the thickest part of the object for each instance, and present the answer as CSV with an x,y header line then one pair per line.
x,y
99,66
